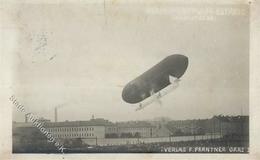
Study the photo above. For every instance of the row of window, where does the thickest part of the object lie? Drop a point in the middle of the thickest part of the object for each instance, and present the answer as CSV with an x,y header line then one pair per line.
x,y
70,129
136,129
75,135
112,129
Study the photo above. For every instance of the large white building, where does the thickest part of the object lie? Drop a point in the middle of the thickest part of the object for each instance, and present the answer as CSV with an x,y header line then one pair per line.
x,y
94,128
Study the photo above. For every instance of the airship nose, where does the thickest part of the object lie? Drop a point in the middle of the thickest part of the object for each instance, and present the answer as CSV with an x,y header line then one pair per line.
x,y
130,94
177,64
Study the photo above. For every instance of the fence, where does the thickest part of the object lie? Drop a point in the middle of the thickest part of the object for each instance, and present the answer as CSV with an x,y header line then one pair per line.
x,y
124,141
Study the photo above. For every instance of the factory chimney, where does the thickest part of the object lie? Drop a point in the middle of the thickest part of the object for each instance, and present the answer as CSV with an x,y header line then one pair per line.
x,y
56,114
26,118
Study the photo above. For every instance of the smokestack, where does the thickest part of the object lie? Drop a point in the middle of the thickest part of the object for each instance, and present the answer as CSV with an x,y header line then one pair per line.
x,y
56,115
26,118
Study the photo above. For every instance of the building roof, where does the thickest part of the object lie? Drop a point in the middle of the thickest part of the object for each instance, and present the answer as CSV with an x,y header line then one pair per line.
x,y
134,124
92,122
22,124
231,118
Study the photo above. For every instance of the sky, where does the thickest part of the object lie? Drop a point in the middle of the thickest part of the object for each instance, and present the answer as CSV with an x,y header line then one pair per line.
x,y
81,56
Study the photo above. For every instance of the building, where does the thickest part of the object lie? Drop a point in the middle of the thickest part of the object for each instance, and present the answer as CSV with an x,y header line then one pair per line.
x,y
135,129
217,125
230,125
101,128
94,128
187,127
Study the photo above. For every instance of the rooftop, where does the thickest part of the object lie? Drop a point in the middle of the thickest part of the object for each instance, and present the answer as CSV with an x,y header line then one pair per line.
x,y
92,122
134,124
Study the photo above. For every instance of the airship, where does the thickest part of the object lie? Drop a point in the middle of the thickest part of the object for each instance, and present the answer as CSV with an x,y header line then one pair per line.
x,y
152,82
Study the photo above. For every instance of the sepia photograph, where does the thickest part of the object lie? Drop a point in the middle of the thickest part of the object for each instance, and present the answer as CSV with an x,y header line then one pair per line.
x,y
122,76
